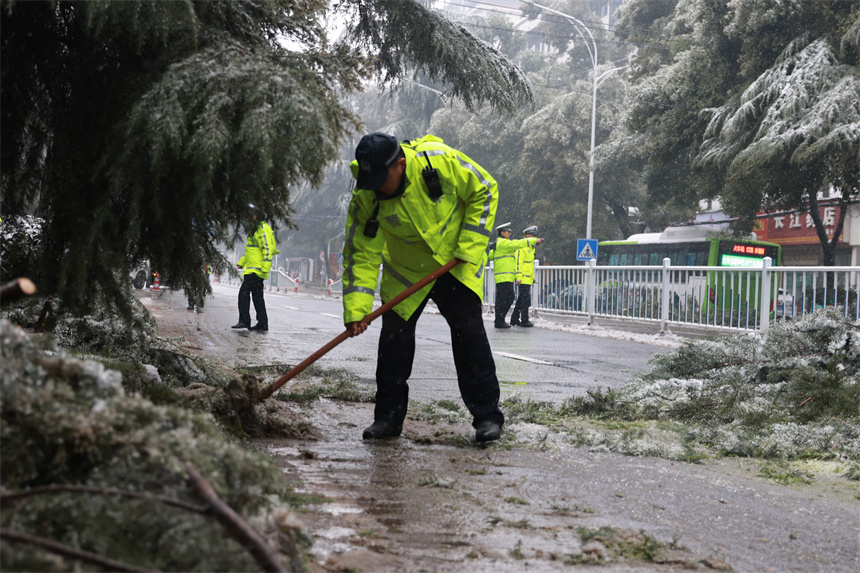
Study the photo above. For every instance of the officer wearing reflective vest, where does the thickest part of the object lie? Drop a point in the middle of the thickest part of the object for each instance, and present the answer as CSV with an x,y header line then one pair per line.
x,y
416,206
505,270
256,263
525,278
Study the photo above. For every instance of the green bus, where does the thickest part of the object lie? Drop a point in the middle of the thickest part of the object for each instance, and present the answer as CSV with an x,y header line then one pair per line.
x,y
729,293
688,249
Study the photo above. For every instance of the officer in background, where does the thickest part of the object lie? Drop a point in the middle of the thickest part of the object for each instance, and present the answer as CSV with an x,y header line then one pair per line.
x,y
505,270
416,206
525,278
260,248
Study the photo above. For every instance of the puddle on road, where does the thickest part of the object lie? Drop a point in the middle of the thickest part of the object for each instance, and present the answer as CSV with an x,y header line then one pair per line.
x,y
336,509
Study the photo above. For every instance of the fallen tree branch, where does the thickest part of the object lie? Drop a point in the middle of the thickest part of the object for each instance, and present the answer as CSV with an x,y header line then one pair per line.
x,y
106,491
16,288
59,548
234,523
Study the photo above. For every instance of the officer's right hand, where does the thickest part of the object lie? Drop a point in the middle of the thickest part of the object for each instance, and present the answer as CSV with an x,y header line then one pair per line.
x,y
355,328
539,241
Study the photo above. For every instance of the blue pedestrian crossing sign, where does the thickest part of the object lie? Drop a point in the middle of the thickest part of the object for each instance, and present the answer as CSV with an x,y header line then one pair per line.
x,y
586,249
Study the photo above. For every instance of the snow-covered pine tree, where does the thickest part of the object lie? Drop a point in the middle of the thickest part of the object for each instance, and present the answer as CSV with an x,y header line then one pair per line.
x,y
142,130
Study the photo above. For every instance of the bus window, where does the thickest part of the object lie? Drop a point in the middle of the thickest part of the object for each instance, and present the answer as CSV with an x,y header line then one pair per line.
x,y
655,259
638,259
623,259
691,260
613,259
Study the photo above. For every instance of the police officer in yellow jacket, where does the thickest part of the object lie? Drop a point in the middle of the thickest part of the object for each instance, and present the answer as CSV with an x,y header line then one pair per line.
x,y
525,278
505,270
416,206
260,248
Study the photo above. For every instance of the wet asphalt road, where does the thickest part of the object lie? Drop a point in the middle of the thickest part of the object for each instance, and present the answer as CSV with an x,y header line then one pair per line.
x,y
538,363
718,507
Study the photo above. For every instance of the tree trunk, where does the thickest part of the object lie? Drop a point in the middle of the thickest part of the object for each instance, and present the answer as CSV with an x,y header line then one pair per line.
x,y
828,244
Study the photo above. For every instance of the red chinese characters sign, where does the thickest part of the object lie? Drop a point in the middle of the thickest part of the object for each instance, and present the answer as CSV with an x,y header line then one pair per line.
x,y
748,250
796,228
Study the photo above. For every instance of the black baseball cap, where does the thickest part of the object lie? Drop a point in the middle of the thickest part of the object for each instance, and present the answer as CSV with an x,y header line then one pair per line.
x,y
376,152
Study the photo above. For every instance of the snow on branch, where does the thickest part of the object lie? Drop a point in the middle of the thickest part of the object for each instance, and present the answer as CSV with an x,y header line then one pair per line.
x,y
808,96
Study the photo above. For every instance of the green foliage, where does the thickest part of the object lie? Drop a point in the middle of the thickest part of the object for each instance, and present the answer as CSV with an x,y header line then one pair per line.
x,y
140,131
439,411
785,476
597,404
792,393
403,34
20,242
335,384
753,101
624,543
68,422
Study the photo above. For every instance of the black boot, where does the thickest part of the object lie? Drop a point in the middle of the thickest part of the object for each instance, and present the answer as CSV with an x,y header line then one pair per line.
x,y
488,431
381,430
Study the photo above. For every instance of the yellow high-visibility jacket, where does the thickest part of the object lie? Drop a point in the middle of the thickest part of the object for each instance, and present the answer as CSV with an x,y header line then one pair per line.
x,y
260,248
526,265
417,235
505,258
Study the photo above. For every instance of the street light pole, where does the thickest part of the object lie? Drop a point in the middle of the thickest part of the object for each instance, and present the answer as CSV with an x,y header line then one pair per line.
x,y
592,51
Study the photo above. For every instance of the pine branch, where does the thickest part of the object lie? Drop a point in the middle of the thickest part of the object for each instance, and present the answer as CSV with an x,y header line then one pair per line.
x,y
106,491
233,522
59,548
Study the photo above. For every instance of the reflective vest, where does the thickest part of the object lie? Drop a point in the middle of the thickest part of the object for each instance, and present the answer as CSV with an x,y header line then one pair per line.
x,y
526,265
505,258
417,234
260,248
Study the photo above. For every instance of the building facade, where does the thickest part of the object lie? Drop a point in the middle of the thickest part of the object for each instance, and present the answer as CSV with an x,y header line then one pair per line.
x,y
795,231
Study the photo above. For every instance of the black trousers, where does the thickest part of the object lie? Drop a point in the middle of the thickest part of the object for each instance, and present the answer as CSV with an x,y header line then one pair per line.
x,y
524,301
504,300
476,369
252,286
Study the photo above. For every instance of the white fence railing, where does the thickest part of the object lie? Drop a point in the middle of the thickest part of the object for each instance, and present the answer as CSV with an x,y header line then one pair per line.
x,y
719,297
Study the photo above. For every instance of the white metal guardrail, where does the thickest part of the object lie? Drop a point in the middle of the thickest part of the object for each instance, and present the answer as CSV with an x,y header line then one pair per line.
x,y
719,297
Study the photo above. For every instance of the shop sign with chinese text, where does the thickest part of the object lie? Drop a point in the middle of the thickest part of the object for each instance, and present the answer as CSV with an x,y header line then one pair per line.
x,y
796,228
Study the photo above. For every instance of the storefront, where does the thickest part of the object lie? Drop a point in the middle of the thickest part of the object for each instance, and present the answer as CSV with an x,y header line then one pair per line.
x,y
795,231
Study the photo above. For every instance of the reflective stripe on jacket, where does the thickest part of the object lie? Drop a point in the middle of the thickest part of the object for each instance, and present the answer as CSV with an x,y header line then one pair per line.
x,y
505,258
526,265
260,248
417,235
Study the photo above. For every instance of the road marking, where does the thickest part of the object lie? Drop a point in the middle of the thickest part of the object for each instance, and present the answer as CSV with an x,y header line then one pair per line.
x,y
290,307
524,358
331,315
